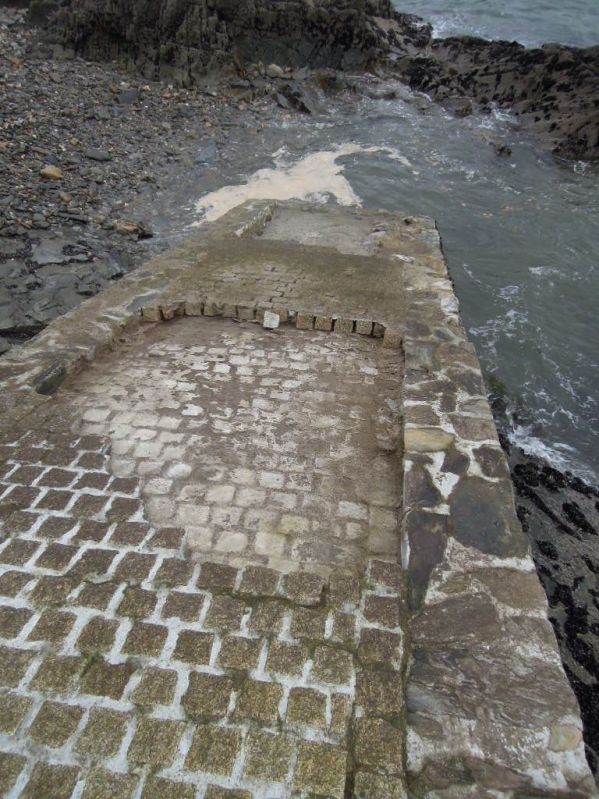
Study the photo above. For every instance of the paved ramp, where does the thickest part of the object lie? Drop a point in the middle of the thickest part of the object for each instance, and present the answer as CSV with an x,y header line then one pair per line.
x,y
258,536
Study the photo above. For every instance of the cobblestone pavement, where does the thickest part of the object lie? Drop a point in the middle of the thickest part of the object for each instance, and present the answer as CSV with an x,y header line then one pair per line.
x,y
267,447
132,664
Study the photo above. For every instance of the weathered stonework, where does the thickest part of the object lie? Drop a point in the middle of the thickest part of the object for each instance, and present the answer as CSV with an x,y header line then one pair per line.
x,y
201,588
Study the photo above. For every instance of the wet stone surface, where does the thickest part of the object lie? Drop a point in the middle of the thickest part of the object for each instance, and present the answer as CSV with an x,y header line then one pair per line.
x,y
134,663
150,646
262,446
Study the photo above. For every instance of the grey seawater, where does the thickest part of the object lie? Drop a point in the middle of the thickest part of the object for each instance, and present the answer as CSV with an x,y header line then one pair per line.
x,y
521,235
531,22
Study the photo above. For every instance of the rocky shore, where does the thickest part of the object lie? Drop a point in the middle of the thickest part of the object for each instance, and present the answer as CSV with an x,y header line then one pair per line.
x,y
551,90
80,145
560,514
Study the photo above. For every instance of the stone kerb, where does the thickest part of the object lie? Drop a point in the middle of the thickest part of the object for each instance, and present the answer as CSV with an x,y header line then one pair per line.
x,y
488,705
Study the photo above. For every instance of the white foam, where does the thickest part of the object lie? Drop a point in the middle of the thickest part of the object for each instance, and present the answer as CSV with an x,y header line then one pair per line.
x,y
316,178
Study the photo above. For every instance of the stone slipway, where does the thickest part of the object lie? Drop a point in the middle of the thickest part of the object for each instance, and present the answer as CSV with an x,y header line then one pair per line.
x,y
240,562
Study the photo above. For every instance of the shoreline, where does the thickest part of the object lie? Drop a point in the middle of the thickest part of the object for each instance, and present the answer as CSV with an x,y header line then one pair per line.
x,y
93,251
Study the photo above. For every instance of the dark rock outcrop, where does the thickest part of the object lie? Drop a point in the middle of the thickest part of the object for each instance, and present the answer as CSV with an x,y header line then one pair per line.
x,y
560,513
553,89
180,40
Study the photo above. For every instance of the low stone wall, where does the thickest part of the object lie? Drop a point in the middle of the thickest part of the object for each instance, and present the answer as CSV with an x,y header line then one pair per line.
x,y
484,660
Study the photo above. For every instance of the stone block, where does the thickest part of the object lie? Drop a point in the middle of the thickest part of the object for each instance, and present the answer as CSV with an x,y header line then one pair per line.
x,y
13,709
378,745
225,613
392,339
97,635
268,757
341,713
11,582
308,624
270,320
156,687
18,551
304,321
333,666
193,308
10,768
320,770
385,573
135,566
258,581
303,588
52,590
13,665
54,724
155,742
212,308
216,792
382,610
137,603
364,327
246,313
344,630
56,673
344,589
151,314
267,617
259,702
51,782
183,606
323,323
161,788
217,576
213,749
427,439
376,786
378,330
171,310
174,572
380,648
145,639
194,647
207,696
380,693
287,659
307,706
106,679
98,595
344,325
240,654
12,621
103,733
102,784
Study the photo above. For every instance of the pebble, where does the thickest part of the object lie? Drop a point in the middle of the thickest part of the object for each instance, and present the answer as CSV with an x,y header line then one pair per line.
x,y
51,172
95,154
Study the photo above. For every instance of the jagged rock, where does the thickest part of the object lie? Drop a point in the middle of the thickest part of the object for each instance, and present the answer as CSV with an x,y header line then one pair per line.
x,y
274,71
180,41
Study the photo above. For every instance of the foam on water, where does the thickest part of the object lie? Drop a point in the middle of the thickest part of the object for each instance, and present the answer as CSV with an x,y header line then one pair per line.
x,y
317,177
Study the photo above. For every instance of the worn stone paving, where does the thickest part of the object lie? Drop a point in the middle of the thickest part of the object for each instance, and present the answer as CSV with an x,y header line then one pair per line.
x,y
275,447
201,593
132,663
